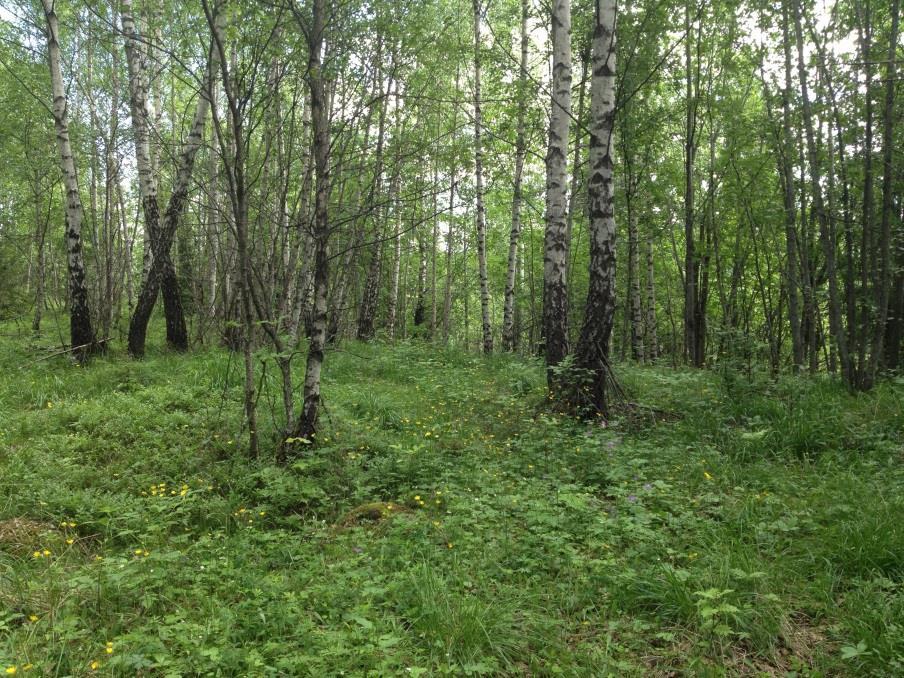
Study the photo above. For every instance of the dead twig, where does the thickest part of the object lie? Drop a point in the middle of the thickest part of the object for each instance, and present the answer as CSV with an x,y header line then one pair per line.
x,y
64,351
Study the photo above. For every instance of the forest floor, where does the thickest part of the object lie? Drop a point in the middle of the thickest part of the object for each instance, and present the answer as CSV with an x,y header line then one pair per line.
x,y
448,523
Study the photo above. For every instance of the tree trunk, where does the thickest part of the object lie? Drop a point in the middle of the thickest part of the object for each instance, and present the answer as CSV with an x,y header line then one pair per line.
x,y
450,231
234,154
450,239
592,351
480,215
692,339
80,330
370,297
508,312
787,176
637,329
161,275
433,250
40,265
394,205
420,306
864,31
885,236
652,344
307,424
555,258
826,231
213,223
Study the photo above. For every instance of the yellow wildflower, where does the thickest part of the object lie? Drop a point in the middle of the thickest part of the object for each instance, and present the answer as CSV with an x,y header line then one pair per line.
x,y
10,670
707,475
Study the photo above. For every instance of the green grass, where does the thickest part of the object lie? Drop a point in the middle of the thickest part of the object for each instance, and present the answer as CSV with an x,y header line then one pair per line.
x,y
758,532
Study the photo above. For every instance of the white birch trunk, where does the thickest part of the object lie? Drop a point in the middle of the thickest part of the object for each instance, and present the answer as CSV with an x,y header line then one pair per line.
x,y
81,332
481,216
593,347
508,311
555,257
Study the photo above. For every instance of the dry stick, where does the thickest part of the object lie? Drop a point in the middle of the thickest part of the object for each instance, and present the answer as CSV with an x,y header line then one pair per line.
x,y
65,350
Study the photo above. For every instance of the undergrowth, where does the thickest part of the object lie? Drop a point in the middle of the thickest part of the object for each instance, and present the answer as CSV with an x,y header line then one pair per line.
x,y
448,523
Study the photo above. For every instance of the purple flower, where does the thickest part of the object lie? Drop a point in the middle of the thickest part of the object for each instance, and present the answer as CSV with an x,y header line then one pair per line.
x,y
632,498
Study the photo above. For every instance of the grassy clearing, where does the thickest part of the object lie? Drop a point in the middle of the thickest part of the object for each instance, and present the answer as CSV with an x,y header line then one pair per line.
x,y
446,525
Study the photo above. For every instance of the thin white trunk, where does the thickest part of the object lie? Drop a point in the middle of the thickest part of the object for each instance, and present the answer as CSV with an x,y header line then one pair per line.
x,y
307,426
81,332
481,216
508,312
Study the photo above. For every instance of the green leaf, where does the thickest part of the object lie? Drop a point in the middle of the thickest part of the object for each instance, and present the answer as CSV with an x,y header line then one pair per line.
x,y
850,652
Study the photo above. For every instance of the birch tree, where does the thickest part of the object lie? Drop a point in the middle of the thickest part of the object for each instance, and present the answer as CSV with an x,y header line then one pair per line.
x,y
480,208
306,426
555,257
81,332
592,353
508,312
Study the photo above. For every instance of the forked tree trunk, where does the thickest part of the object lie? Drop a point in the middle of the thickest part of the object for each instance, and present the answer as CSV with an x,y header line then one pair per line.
x,y
555,257
480,215
593,347
161,273
80,330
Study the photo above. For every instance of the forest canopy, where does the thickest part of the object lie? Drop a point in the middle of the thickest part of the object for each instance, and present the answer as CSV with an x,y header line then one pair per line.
x,y
748,150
